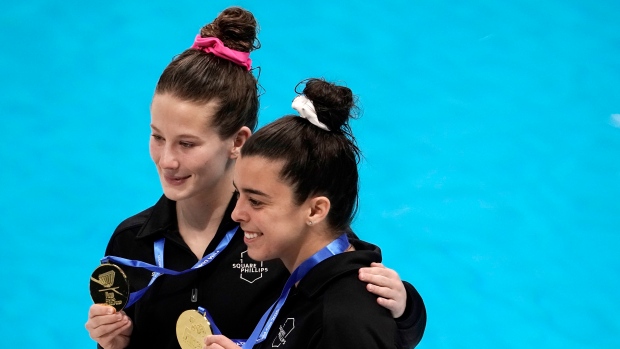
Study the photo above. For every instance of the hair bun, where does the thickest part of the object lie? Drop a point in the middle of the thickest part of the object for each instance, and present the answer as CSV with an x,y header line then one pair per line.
x,y
236,27
334,104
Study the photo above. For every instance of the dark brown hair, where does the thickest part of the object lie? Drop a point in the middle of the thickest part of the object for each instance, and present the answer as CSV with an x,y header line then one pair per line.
x,y
201,77
316,161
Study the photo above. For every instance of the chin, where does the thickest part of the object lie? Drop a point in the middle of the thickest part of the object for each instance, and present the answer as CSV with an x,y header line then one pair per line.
x,y
174,194
257,254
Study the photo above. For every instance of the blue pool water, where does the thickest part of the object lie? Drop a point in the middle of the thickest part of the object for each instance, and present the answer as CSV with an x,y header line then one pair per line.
x,y
491,134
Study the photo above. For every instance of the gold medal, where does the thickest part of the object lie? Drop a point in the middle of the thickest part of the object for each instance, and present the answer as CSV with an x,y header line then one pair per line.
x,y
109,285
192,328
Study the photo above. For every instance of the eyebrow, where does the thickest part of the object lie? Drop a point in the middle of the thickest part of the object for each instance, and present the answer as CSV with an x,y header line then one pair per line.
x,y
251,191
179,136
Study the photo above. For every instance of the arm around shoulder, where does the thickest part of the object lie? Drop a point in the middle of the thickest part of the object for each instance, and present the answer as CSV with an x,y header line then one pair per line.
x,y
411,325
353,319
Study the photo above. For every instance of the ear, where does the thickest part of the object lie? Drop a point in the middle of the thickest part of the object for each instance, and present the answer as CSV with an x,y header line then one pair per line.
x,y
319,208
239,140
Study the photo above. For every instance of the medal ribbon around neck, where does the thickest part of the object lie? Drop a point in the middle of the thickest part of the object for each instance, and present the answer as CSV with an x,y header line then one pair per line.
x,y
159,269
264,325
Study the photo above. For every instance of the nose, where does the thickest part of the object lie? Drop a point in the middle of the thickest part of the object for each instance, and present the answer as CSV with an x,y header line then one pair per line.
x,y
167,158
238,214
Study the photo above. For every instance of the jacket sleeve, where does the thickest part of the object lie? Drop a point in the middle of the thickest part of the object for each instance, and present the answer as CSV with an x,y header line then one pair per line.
x,y
353,319
410,326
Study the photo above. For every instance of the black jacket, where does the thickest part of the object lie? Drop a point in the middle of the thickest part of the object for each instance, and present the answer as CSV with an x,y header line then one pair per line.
x,y
235,289
331,308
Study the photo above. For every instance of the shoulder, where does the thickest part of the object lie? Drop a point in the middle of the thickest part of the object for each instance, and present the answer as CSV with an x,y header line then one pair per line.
x,y
123,238
353,318
159,216
347,295
134,222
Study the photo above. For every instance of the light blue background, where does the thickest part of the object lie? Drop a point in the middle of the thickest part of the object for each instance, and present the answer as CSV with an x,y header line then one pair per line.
x,y
490,131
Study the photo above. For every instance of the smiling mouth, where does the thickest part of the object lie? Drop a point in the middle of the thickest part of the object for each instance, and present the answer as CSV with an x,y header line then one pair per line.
x,y
176,179
251,236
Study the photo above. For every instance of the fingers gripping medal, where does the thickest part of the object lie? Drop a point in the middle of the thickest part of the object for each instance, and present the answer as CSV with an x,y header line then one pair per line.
x,y
192,328
109,285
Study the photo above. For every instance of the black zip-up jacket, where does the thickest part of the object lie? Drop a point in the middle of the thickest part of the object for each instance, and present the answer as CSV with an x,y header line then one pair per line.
x,y
235,289
331,308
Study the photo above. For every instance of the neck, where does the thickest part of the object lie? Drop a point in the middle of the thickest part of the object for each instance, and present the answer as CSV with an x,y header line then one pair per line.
x,y
315,242
200,216
202,209
196,219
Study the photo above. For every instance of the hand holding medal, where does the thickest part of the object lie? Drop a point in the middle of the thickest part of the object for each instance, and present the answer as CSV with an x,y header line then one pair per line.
x,y
192,328
109,289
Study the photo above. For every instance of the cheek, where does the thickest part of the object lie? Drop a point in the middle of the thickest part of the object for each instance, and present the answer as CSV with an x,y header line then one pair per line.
x,y
200,162
207,164
266,222
285,223
154,152
215,160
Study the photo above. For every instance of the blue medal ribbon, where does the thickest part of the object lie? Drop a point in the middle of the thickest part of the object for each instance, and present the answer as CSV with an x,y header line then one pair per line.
x,y
264,325
159,269
202,311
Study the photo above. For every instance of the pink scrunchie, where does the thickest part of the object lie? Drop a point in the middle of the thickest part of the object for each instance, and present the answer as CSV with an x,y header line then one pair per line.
x,y
216,46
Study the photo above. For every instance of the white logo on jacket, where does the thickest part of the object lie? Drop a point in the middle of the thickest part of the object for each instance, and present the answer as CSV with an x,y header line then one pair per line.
x,y
250,270
283,332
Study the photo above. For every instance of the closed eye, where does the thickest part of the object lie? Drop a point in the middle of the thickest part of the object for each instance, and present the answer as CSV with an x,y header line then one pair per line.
x,y
255,203
248,193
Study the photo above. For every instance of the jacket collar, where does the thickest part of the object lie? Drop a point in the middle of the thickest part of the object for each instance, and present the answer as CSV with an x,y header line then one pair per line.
x,y
163,218
336,266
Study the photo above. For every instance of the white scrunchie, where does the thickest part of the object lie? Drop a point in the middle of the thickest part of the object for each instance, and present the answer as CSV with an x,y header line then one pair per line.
x,y
305,108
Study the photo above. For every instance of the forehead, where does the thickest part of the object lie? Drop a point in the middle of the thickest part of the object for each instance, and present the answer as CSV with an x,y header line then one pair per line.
x,y
169,110
257,172
250,165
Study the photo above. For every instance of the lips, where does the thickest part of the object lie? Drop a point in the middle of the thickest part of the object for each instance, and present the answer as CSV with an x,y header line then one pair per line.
x,y
175,180
249,237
